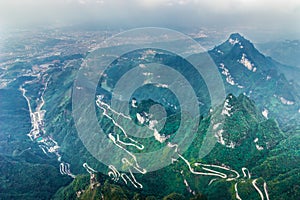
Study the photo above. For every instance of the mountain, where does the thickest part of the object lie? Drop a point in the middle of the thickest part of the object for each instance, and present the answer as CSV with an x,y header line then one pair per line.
x,y
245,70
249,141
246,140
245,130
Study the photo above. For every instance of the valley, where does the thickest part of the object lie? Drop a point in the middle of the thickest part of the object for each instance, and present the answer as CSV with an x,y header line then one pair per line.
x,y
255,130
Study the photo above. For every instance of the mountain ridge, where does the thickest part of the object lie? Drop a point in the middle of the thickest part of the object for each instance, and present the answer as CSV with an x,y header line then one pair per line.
x,y
245,70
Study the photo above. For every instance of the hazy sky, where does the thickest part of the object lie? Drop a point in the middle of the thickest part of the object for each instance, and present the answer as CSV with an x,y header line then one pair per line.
x,y
278,17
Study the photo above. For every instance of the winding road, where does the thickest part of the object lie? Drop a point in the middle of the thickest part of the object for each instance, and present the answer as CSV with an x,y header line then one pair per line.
x,y
217,171
38,132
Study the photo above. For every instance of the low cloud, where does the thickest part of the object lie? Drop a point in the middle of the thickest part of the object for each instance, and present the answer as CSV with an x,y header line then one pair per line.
x,y
280,16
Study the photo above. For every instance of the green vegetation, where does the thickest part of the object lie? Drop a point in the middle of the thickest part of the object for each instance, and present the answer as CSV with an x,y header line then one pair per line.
x,y
269,148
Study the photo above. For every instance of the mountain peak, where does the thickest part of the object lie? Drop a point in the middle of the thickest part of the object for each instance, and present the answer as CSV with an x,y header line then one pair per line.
x,y
237,45
236,38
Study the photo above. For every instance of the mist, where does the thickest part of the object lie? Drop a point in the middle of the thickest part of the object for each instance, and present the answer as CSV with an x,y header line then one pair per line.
x,y
262,19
